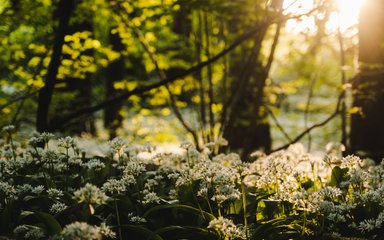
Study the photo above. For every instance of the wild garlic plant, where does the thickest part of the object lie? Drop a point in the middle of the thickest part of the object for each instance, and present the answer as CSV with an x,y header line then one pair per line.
x,y
50,188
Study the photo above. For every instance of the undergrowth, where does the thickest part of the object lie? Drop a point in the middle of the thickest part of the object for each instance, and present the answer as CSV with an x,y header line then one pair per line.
x,y
135,192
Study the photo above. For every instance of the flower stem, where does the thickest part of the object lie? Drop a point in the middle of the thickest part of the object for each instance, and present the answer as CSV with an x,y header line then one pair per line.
x,y
118,220
12,146
244,198
304,223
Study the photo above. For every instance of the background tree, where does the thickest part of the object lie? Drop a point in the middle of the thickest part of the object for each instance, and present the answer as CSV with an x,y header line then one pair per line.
x,y
210,69
367,125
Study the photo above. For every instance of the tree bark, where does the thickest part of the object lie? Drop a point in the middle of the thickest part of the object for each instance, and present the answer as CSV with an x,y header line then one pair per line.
x,y
64,12
115,72
367,127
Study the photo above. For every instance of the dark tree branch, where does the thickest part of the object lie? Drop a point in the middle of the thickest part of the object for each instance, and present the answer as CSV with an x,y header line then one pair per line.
x,y
270,112
308,130
59,122
20,97
163,76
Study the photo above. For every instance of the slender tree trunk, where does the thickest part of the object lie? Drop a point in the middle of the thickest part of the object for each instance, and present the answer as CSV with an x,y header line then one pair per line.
x,y
367,127
79,87
248,128
64,11
115,72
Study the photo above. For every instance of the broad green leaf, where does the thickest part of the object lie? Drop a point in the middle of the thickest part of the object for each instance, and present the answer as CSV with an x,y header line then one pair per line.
x,y
338,175
52,225
181,207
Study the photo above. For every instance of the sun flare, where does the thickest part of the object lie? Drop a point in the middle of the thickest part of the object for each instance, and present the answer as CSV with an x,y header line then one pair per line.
x,y
345,15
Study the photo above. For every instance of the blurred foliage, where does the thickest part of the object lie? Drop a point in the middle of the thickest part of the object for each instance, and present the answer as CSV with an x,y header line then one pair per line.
x,y
162,38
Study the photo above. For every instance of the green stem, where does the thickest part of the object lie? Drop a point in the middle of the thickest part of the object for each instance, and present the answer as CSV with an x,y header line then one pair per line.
x,y
244,198
12,147
118,220
304,223
67,168
219,209
209,205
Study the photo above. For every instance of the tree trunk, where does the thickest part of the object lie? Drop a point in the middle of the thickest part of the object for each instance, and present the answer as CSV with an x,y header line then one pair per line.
x,y
248,127
115,72
367,127
64,12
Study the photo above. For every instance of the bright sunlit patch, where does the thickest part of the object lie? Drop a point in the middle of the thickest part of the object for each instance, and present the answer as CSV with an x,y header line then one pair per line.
x,y
299,7
347,15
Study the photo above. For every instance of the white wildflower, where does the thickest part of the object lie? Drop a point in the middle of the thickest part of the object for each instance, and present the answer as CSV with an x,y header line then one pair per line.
x,y
90,194
368,225
227,228
133,168
351,162
330,192
55,193
38,189
117,146
150,197
8,128
113,186
187,145
94,164
25,188
136,219
173,194
75,161
84,231
67,142
7,189
29,232
58,207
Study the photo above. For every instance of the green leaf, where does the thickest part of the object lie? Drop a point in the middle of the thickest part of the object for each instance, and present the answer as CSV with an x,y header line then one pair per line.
x,y
187,231
52,225
338,175
182,207
144,232
276,226
9,216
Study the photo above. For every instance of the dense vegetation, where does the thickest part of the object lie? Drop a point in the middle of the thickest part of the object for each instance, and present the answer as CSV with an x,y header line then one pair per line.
x,y
239,82
136,192
212,68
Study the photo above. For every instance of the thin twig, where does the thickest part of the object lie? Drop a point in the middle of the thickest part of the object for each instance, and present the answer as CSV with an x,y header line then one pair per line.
x,y
162,75
306,111
320,124
278,125
22,96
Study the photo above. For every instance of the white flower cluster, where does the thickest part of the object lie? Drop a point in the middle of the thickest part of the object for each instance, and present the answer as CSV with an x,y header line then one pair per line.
x,y
58,207
114,186
29,232
7,190
226,227
84,231
136,219
371,224
94,164
90,194
150,197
